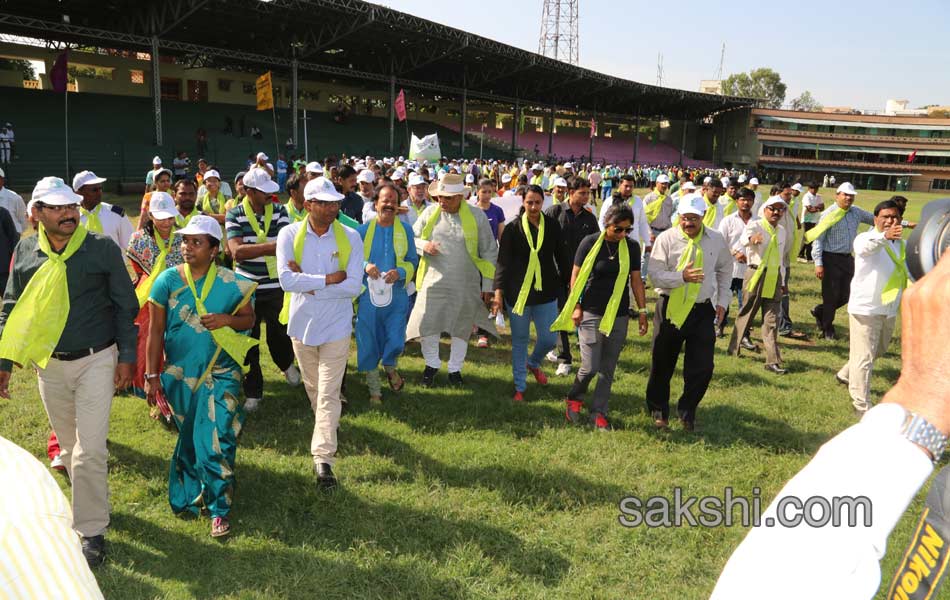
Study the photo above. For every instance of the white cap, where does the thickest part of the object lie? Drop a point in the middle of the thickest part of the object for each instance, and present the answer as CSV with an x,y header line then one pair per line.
x,y
202,224
397,175
754,181
2,173
314,167
261,155
55,192
157,160
725,181
797,187
560,182
847,188
692,204
365,176
775,200
506,178
259,179
469,178
86,178
741,178
162,206
568,165
537,167
689,185
416,179
662,179
321,189
212,173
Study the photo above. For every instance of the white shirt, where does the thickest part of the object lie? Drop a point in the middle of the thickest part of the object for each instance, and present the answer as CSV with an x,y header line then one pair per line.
x,y
832,562
669,246
811,200
755,253
413,214
327,314
641,226
14,204
757,204
872,269
731,229
115,226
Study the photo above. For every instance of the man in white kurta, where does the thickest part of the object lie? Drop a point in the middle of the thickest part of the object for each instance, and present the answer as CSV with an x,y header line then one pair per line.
x,y
453,292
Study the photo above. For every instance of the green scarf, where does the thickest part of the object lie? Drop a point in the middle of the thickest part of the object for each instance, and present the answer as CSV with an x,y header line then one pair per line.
x,y
235,344
709,219
183,221
770,263
828,221
683,298
157,267
93,223
653,208
270,261
400,246
534,264
295,215
898,279
37,320
343,257
564,321
469,232
730,206
208,205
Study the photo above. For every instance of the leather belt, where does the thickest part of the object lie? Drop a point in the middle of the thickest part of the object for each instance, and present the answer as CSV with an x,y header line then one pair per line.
x,y
77,354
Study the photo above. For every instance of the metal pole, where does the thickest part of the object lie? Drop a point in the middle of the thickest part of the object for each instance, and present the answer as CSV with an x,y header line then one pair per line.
x,y
683,143
636,137
590,151
392,113
464,109
514,129
293,98
66,119
551,133
156,92
306,145
481,145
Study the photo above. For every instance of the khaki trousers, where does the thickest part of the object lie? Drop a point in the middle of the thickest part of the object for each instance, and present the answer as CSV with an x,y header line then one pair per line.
x,y
750,306
870,337
322,368
77,395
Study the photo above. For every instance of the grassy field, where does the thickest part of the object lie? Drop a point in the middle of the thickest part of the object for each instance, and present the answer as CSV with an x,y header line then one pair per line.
x,y
458,493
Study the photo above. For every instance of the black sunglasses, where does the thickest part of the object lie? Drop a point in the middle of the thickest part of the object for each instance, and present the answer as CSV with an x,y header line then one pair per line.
x,y
618,229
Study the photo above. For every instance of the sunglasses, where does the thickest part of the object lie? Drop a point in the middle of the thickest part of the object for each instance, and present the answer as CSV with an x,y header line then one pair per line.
x,y
618,229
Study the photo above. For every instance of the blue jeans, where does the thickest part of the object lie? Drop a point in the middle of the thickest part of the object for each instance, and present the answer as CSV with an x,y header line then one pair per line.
x,y
543,316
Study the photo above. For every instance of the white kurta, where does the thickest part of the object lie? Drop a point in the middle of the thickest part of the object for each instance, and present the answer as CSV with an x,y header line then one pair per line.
x,y
449,300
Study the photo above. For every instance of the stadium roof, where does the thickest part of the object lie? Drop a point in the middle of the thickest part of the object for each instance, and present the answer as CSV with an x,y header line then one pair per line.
x,y
349,39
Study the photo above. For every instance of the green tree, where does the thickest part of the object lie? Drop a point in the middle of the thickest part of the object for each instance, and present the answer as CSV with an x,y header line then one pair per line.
x,y
763,83
806,102
18,64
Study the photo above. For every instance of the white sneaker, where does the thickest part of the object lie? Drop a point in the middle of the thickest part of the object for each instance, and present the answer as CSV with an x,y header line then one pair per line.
x,y
563,370
551,356
292,374
251,404
57,463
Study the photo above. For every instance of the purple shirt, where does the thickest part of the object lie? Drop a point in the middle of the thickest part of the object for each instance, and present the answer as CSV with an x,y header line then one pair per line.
x,y
495,216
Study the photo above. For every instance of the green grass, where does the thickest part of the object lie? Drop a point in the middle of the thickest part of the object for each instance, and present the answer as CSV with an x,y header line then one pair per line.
x,y
460,494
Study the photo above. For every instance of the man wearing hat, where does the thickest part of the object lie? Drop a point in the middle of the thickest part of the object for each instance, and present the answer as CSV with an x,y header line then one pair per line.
x,y
691,268
320,265
314,169
74,324
418,199
252,228
764,242
150,176
832,241
366,189
754,185
7,139
13,203
98,216
455,277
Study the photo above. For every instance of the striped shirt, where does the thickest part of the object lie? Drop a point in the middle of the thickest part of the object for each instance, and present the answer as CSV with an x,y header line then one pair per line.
x,y
839,238
238,226
40,554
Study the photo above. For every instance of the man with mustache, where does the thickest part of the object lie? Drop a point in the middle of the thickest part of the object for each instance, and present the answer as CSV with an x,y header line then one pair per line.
x,y
69,310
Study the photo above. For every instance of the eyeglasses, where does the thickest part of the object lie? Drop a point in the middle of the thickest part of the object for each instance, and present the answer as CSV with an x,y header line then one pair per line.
x,y
776,209
618,229
57,208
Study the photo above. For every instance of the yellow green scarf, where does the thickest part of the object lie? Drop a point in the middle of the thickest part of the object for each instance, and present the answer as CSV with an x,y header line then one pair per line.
x,y
898,279
770,263
207,204
295,215
534,264
469,232
564,321
653,208
709,219
93,223
683,298
730,206
828,221
343,257
235,344
270,261
37,320
157,267
400,246
181,221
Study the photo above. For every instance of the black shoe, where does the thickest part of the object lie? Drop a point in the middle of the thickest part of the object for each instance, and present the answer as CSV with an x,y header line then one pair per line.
x,y
816,313
456,379
659,421
773,368
748,345
428,377
325,478
688,425
841,380
94,550
831,336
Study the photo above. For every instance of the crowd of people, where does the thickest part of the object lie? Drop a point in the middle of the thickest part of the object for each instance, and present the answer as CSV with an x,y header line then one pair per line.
x,y
392,250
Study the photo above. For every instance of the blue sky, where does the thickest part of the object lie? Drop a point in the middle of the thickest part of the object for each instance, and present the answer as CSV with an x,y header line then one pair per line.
x,y
846,53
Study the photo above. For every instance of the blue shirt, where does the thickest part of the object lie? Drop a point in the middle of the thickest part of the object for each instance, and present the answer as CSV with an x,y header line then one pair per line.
x,y
839,238
281,167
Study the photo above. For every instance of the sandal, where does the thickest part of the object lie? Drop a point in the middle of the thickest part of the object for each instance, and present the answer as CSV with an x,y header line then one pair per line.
x,y
220,527
394,375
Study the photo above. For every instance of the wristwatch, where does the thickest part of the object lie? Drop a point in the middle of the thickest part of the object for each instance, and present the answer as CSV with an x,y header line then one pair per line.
x,y
921,432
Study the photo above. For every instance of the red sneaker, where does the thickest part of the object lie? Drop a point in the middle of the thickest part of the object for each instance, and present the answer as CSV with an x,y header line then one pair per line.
x,y
518,397
600,422
573,414
539,375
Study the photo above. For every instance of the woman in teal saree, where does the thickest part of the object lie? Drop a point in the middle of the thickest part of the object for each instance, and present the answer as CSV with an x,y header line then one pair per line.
x,y
197,310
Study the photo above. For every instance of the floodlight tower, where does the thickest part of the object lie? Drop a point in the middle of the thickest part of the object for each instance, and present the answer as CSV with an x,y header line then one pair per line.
x,y
559,39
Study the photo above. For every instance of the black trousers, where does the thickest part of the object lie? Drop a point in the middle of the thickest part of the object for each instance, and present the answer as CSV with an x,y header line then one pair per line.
x,y
805,251
699,338
835,287
267,306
